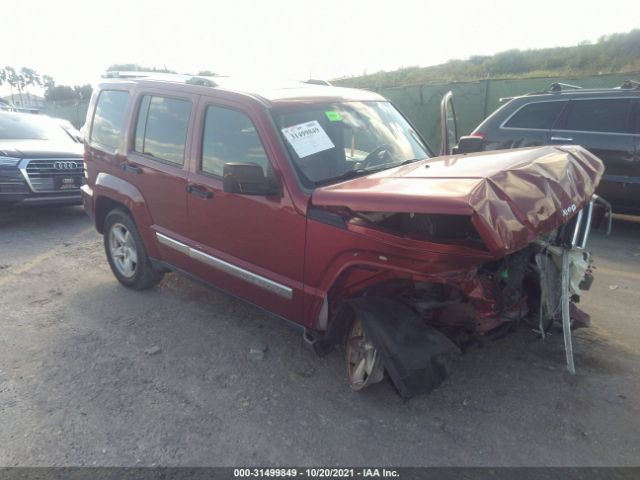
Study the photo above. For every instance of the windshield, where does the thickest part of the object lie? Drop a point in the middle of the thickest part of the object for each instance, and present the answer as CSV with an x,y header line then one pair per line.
x,y
333,141
23,126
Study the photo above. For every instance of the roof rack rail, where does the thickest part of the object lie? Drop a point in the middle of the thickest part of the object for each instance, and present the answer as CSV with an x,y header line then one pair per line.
x,y
170,77
203,81
558,87
314,81
129,74
630,84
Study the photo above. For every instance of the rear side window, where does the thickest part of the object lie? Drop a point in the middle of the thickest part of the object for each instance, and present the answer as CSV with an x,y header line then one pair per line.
x,y
161,128
602,115
635,117
539,115
230,136
109,118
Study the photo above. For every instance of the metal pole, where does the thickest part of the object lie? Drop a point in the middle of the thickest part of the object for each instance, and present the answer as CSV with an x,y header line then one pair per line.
x,y
566,319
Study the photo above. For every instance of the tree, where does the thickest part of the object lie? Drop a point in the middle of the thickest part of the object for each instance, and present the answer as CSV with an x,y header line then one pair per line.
x,y
48,82
59,93
12,80
134,67
619,52
83,92
31,78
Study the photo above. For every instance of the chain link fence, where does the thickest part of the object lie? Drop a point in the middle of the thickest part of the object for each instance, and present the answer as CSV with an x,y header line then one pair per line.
x,y
474,101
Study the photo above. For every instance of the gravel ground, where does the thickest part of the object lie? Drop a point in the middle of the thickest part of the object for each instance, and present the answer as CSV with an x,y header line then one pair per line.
x,y
94,374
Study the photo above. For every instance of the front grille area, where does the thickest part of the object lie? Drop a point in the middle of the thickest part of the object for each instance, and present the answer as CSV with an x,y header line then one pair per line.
x,y
12,181
52,175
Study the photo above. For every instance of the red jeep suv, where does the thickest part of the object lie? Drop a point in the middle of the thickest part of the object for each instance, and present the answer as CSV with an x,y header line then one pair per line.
x,y
324,206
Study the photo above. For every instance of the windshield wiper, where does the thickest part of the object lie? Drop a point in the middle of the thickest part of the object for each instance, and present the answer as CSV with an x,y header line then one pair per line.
x,y
365,171
411,160
345,176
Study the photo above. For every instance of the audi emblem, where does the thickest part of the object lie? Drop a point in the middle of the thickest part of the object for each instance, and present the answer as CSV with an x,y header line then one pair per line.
x,y
65,165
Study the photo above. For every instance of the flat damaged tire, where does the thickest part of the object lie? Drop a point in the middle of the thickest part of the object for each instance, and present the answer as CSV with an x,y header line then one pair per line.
x,y
364,366
416,356
126,254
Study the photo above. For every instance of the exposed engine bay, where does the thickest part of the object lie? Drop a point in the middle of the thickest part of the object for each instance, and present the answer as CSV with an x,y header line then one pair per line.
x,y
536,286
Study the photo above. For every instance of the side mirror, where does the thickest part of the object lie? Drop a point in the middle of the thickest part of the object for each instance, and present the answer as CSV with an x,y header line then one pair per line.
x,y
469,145
248,179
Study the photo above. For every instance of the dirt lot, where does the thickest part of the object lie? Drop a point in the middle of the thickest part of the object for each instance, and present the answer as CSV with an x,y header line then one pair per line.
x,y
94,374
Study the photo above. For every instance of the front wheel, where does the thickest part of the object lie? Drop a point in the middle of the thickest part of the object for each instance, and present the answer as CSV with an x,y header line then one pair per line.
x,y
126,253
364,366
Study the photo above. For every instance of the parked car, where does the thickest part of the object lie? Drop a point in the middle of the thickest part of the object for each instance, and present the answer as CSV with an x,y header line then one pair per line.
x,y
40,161
324,206
6,105
604,121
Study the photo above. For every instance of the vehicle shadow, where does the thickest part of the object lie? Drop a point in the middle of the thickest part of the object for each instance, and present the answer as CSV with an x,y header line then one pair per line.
x,y
41,218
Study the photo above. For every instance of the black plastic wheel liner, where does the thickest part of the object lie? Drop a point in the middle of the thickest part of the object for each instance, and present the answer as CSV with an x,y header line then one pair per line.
x,y
416,356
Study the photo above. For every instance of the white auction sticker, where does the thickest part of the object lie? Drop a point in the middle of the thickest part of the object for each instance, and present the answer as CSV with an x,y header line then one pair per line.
x,y
308,138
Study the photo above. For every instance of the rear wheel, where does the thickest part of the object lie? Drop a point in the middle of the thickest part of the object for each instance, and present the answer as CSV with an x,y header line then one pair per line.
x,y
364,366
126,253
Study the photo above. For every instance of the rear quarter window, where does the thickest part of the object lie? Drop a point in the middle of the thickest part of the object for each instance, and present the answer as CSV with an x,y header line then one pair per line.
x,y
108,119
606,115
161,128
538,115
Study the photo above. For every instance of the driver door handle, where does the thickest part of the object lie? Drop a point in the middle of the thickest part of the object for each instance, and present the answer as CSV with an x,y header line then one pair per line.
x,y
127,167
200,192
561,139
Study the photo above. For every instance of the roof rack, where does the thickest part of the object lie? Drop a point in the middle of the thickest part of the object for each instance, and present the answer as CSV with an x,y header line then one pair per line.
x,y
630,84
314,81
558,87
168,77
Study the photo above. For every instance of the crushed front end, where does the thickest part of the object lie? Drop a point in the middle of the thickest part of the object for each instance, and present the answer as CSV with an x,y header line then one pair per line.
x,y
466,253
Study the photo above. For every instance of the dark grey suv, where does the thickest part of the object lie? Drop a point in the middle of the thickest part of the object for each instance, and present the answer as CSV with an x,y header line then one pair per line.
x,y
604,121
41,161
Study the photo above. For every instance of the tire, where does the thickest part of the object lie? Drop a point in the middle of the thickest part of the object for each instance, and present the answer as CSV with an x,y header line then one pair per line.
x,y
362,361
126,254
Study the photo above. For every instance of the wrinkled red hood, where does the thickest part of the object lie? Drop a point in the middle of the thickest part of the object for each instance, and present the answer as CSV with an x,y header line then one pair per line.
x,y
512,196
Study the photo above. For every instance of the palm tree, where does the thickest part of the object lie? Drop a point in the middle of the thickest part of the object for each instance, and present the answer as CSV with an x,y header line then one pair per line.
x,y
21,86
12,80
31,78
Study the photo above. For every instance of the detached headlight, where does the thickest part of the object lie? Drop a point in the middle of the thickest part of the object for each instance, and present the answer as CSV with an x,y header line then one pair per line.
x,y
8,161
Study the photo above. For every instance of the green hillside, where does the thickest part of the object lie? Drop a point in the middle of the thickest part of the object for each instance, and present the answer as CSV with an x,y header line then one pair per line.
x,y
617,53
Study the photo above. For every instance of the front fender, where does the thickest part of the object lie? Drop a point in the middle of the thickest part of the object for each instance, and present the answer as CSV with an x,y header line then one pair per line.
x,y
416,356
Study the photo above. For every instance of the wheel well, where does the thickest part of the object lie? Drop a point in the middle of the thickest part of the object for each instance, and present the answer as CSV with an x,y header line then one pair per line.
x,y
103,206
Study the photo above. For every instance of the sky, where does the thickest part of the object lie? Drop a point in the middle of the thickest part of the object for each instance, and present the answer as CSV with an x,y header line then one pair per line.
x,y
75,41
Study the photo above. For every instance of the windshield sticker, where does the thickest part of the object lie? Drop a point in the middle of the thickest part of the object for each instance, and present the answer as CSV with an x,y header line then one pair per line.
x,y
308,138
333,116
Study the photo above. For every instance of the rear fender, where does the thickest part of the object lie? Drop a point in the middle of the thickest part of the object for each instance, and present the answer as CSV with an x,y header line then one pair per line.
x,y
111,188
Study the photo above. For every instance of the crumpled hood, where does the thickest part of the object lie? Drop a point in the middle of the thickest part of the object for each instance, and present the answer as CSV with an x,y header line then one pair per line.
x,y
512,196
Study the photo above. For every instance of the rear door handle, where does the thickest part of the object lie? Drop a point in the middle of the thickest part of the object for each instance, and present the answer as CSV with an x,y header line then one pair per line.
x,y
561,139
199,191
127,167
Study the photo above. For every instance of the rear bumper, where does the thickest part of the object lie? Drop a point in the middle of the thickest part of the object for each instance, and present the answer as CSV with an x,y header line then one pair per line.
x,y
87,201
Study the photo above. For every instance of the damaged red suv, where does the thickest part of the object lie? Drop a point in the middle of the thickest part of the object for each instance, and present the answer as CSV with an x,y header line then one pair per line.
x,y
324,206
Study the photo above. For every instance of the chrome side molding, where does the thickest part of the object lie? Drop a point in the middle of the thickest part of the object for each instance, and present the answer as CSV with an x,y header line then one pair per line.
x,y
231,269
